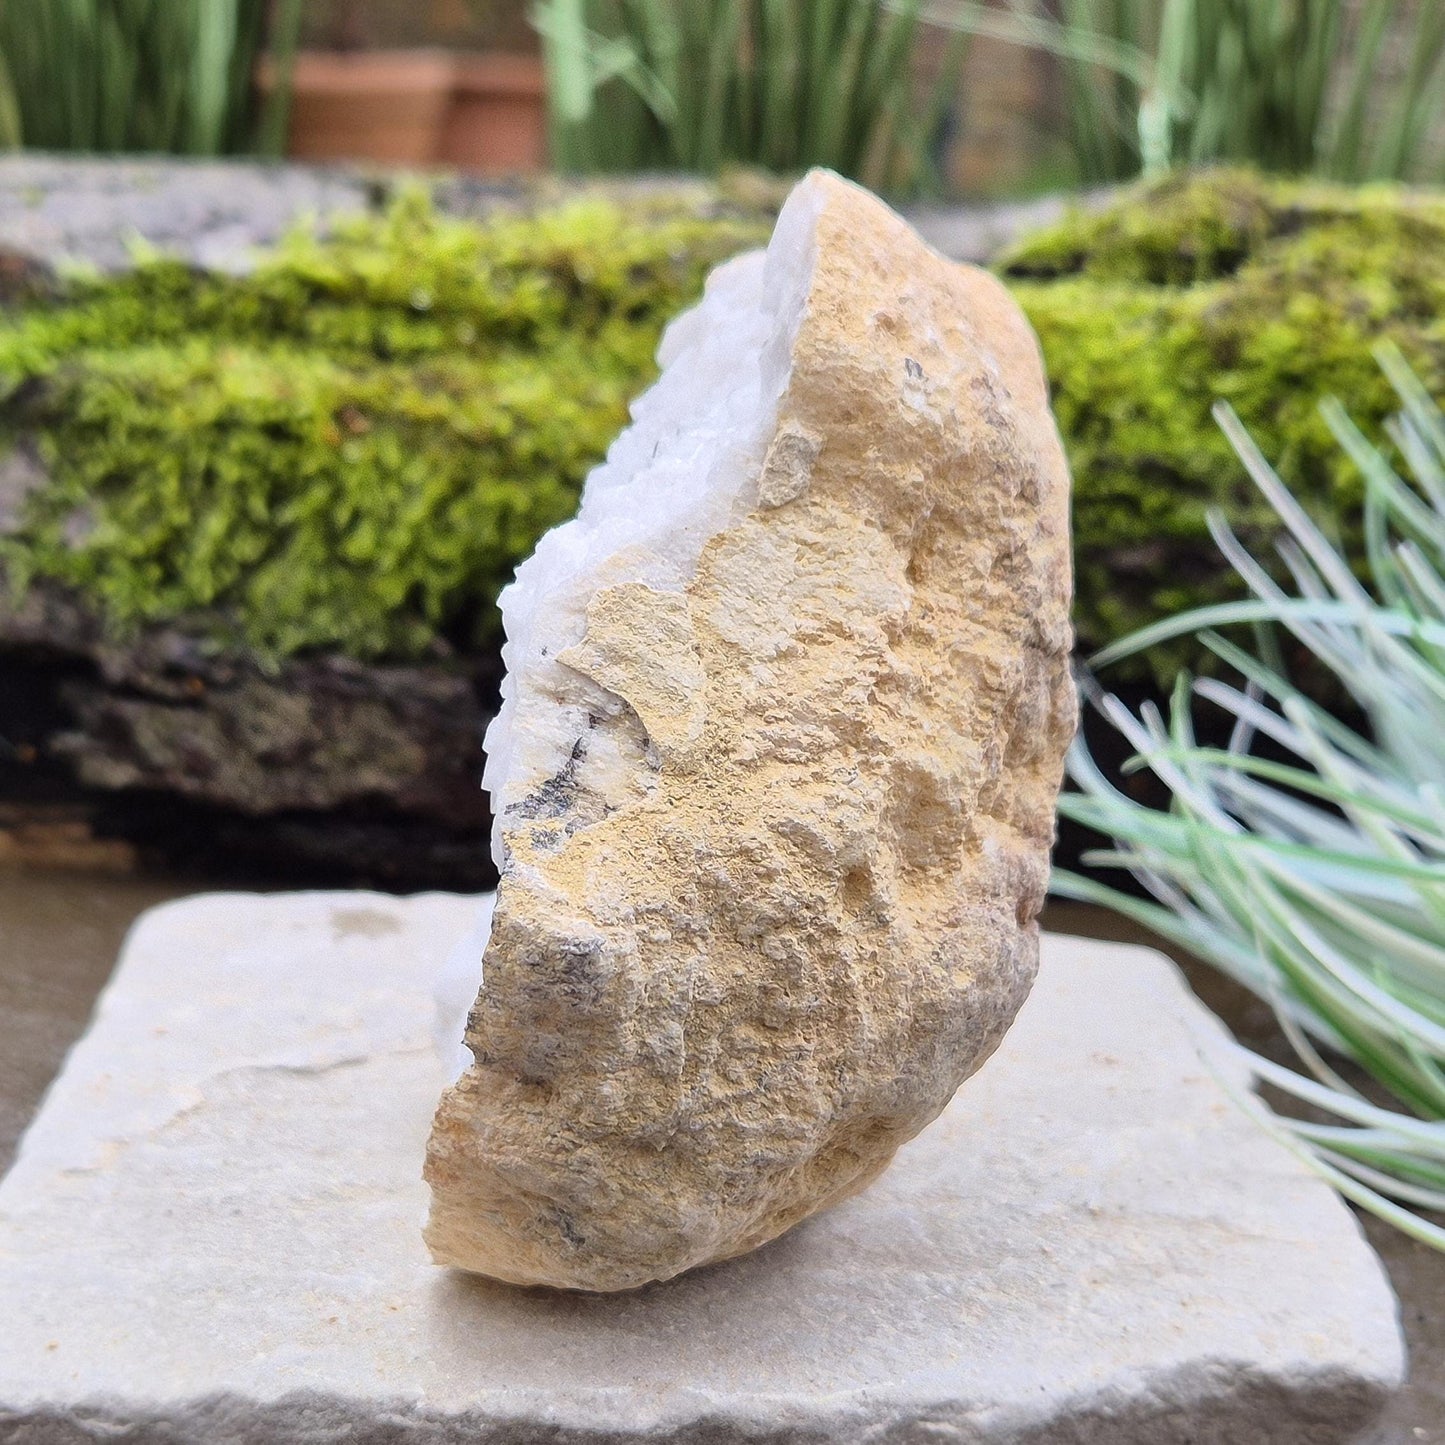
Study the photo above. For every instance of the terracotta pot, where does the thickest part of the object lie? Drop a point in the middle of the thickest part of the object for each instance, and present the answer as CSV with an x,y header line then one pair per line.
x,y
497,121
368,106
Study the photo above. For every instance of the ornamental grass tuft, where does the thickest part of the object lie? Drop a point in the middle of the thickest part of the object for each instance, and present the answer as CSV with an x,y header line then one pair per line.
x,y
1306,859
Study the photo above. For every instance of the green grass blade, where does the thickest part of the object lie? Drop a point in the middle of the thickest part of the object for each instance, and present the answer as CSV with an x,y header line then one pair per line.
x,y
285,41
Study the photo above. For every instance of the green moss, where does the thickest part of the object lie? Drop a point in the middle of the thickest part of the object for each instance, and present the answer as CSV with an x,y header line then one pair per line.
x,y
352,447
1264,294
1174,234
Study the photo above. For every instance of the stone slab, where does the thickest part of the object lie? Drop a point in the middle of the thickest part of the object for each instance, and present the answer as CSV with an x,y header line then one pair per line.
x,y
211,1233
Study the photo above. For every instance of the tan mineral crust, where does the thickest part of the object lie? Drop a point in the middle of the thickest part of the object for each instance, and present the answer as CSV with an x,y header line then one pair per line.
x,y
760,939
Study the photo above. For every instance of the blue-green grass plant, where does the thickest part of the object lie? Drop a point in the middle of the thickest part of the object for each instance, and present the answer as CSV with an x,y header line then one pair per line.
x,y
782,84
1312,870
1353,92
170,76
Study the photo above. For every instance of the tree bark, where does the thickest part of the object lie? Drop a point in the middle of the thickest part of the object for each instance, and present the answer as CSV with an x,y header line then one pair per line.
x,y
321,769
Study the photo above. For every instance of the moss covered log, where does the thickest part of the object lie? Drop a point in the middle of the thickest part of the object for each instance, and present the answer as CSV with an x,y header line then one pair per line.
x,y
1225,286
348,449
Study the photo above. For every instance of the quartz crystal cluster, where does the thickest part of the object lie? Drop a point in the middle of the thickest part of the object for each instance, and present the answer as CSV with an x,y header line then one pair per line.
x,y
774,775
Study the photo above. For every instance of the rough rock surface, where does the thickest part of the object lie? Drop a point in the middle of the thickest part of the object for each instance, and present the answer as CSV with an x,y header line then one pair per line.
x,y
779,899
210,1235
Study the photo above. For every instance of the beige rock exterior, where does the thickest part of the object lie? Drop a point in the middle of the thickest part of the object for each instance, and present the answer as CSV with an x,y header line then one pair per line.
x,y
733,969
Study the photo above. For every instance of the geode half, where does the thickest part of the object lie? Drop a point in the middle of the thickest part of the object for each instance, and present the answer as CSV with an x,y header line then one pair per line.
x,y
775,773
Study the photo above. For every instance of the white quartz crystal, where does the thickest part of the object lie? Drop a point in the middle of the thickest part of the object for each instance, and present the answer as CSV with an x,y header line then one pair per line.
x,y
684,470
